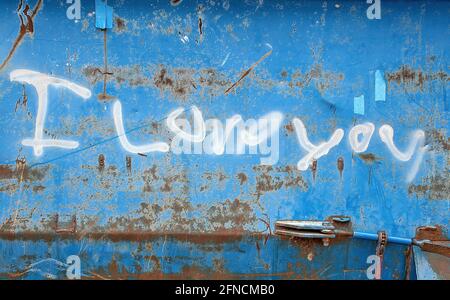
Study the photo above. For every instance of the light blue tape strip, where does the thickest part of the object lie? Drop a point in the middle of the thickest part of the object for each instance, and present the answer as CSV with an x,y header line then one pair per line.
x,y
380,86
358,105
103,14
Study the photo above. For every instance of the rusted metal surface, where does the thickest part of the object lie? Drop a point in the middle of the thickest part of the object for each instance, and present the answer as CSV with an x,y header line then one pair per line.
x,y
188,256
309,64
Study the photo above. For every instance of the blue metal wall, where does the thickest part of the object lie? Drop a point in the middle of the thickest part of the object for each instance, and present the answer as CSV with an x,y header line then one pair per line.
x,y
320,56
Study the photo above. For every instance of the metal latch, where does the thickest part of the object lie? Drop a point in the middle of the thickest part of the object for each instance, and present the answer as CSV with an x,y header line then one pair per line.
x,y
305,229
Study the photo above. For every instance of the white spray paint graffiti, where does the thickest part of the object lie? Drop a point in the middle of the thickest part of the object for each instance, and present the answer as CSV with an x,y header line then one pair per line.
x,y
215,142
386,133
314,152
366,130
212,137
233,138
41,82
117,113
199,125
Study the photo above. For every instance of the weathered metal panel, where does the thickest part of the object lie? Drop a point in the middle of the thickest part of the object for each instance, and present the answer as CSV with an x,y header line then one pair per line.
x,y
324,64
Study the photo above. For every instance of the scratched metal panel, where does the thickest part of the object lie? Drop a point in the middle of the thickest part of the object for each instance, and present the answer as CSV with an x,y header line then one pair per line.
x,y
324,64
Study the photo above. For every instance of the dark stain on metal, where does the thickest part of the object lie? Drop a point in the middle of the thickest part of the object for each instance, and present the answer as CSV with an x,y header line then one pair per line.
x,y
24,29
289,128
120,25
369,158
23,100
242,177
200,25
245,73
161,80
314,169
175,2
38,188
142,154
340,165
258,248
128,163
101,162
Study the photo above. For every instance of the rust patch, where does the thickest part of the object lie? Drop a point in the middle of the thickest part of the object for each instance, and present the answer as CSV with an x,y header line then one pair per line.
x,y
268,183
162,81
23,173
101,162
369,158
242,178
440,264
24,29
120,25
340,165
170,180
219,237
217,179
231,214
434,188
192,272
289,128
178,82
432,233
322,80
413,80
270,179
314,169
440,141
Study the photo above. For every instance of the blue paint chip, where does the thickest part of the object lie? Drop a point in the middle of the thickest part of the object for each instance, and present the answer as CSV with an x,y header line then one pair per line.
x,y
358,105
103,14
380,86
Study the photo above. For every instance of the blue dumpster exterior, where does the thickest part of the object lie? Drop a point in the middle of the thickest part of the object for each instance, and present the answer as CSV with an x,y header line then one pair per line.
x,y
185,212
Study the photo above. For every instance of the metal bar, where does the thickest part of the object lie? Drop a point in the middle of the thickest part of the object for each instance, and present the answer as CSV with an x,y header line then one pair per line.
x,y
374,237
